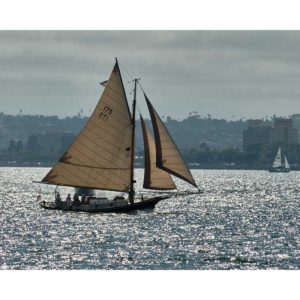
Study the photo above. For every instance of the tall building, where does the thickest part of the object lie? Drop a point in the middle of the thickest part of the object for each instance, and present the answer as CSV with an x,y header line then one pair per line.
x,y
261,133
257,133
49,143
296,123
283,132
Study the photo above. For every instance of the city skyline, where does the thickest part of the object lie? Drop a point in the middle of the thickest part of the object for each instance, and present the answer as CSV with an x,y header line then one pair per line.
x,y
83,114
228,74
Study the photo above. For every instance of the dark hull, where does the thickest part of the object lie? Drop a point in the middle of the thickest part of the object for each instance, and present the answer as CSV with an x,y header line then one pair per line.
x,y
145,204
279,170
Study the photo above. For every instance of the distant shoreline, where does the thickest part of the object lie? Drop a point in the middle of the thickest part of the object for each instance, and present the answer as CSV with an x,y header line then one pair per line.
x,y
49,165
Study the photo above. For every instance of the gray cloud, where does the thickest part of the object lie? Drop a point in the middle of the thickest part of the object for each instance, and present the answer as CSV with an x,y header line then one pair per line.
x,y
225,73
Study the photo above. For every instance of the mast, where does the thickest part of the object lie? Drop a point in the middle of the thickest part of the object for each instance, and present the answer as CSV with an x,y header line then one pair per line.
x,y
132,181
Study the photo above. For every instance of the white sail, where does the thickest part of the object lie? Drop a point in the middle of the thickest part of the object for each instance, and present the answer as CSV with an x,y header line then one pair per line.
x,y
154,178
286,164
277,161
168,156
100,156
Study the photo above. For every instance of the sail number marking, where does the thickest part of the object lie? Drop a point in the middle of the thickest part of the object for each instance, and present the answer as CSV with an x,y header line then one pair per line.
x,y
105,113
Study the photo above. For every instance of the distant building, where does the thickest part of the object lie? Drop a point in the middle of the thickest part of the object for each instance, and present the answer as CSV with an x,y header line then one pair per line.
x,y
262,134
283,132
32,144
257,133
296,123
66,139
49,143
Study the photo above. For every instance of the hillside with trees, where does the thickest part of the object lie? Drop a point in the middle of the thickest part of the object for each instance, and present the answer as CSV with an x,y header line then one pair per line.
x,y
205,142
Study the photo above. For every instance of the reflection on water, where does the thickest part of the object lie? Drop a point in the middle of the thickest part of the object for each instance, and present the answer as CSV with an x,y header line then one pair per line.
x,y
243,220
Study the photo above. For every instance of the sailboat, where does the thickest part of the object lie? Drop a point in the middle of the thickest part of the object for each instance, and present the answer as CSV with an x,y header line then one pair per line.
x,y
102,156
280,163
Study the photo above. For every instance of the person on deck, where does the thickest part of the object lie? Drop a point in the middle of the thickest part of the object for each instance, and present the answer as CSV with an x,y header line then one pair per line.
x,y
76,200
57,199
68,200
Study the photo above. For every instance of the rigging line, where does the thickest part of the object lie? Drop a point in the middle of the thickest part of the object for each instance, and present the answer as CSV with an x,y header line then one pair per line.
x,y
141,86
138,108
131,77
143,92
130,80
132,86
123,67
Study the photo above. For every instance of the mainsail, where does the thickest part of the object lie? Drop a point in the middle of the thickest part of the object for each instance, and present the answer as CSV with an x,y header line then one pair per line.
x,y
154,178
100,157
277,161
167,154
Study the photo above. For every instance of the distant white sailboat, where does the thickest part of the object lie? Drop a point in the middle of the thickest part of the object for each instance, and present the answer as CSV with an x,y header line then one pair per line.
x,y
102,156
280,163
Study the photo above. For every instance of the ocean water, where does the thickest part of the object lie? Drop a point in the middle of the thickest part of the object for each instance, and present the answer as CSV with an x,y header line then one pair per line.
x,y
243,220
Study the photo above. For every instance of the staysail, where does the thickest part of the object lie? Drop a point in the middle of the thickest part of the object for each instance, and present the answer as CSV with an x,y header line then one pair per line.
x,y
277,161
167,154
154,178
100,156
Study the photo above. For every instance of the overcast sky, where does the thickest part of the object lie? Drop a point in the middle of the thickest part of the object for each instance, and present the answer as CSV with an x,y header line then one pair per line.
x,y
247,74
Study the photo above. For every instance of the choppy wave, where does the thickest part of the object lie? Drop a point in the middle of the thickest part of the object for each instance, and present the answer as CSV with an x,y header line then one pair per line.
x,y
243,220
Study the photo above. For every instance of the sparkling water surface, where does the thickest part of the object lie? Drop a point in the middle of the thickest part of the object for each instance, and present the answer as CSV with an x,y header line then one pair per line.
x,y
243,220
